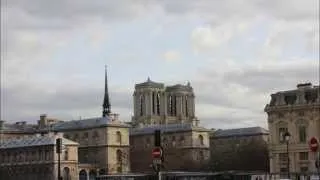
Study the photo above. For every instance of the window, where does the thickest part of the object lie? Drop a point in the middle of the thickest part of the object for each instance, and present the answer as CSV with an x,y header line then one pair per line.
x,y
201,139
186,105
148,142
173,140
119,156
303,169
302,134
158,103
170,105
303,156
283,157
66,155
141,105
153,105
118,136
282,131
95,135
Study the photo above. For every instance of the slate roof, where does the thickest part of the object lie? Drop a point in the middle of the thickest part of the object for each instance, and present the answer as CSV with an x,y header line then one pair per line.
x,y
166,128
250,131
18,128
87,123
36,140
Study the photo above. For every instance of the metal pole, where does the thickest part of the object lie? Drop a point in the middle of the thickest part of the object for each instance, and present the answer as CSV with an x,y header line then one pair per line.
x,y
59,169
288,161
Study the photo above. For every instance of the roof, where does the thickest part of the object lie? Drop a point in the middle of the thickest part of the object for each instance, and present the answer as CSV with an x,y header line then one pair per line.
x,y
87,123
36,140
150,83
250,131
19,127
179,87
166,128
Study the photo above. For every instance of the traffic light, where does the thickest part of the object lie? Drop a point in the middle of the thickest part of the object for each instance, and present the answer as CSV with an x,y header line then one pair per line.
x,y
59,145
157,138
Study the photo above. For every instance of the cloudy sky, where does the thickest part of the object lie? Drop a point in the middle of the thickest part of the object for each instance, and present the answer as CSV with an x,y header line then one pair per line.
x,y
235,53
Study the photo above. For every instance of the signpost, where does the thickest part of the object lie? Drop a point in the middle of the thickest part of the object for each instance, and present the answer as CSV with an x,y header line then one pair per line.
x,y
314,146
157,153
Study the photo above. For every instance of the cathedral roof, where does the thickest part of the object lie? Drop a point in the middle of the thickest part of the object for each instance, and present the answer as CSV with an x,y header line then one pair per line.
x,y
87,123
179,87
250,131
166,128
36,140
151,84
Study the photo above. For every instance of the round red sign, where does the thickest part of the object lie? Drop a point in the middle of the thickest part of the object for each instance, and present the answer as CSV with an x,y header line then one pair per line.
x,y
157,152
314,144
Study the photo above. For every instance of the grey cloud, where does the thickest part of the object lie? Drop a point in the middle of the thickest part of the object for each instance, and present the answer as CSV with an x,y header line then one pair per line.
x,y
25,101
280,77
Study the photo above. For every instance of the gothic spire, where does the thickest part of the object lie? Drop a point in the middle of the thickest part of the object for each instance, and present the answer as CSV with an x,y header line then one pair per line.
x,y
106,101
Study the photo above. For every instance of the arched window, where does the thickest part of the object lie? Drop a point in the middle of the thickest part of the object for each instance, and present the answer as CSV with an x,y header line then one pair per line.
x,y
175,105
66,155
95,135
302,129
153,101
201,140
118,136
119,156
201,156
66,173
282,128
170,105
186,106
141,99
158,103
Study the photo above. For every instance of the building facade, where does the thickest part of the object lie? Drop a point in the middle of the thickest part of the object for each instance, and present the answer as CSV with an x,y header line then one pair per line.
x,y
185,147
298,113
170,109
156,104
35,158
232,149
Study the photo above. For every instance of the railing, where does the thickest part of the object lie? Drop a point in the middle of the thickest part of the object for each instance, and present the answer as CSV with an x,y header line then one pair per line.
x,y
212,176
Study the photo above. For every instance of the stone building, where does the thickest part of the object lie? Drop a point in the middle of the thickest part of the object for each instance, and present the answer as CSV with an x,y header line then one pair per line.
x,y
170,109
103,144
185,147
16,130
103,141
297,112
156,104
35,158
232,149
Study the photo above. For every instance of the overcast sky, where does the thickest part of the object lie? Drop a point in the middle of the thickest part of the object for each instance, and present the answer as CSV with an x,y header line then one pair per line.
x,y
235,53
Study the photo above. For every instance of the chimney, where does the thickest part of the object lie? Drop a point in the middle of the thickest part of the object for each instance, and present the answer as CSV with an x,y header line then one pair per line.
x,y
43,120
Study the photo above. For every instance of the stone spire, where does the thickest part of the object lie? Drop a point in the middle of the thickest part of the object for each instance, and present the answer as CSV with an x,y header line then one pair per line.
x,y
106,101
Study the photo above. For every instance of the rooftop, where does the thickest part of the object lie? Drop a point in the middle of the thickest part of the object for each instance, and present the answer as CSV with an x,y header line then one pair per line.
x,y
250,131
166,128
87,123
36,140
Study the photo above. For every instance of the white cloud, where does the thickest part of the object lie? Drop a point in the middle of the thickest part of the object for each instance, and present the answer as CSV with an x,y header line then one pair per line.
x,y
171,56
205,38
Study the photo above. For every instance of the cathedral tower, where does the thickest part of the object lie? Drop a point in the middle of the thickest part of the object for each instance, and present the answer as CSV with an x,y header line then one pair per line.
x,y
156,104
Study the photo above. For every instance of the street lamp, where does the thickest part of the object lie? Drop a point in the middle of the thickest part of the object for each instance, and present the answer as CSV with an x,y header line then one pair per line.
x,y
286,137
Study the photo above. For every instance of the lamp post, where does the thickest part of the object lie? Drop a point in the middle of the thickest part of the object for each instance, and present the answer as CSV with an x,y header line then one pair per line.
x,y
286,137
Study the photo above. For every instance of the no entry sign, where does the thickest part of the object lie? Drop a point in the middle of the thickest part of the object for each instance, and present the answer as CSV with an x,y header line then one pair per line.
x,y
314,144
156,152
